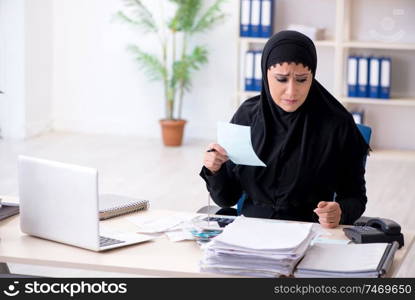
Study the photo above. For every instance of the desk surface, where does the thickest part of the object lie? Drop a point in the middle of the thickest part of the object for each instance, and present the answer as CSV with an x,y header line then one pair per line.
x,y
159,257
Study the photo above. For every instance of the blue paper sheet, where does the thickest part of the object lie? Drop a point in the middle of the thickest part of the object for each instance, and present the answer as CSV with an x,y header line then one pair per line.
x,y
236,140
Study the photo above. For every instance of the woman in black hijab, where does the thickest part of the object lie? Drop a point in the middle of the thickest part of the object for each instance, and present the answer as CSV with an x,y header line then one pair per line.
x,y
308,140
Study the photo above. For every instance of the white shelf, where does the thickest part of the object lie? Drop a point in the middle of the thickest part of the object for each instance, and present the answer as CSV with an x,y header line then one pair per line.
x,y
348,100
376,101
326,43
253,40
379,45
247,94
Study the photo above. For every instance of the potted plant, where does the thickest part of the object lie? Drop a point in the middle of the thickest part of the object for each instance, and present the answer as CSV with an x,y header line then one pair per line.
x,y
177,61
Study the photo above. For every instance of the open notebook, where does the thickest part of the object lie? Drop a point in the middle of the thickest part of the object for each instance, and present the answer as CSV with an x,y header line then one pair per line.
x,y
115,205
352,260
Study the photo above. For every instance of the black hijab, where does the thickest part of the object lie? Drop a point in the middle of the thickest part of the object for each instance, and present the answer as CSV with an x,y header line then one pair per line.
x,y
303,150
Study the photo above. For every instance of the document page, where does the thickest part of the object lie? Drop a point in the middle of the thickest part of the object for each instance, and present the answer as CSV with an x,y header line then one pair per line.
x,y
236,139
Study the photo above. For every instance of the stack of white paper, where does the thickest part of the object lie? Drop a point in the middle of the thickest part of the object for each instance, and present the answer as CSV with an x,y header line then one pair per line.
x,y
255,247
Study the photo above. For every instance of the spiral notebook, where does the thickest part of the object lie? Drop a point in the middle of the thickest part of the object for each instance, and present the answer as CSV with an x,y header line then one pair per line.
x,y
114,205
8,209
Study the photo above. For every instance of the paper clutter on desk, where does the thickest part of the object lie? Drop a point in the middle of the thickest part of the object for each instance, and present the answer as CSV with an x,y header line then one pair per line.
x,y
160,224
174,226
254,247
179,235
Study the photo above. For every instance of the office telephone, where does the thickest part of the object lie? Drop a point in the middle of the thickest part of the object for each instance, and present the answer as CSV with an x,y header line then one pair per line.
x,y
375,230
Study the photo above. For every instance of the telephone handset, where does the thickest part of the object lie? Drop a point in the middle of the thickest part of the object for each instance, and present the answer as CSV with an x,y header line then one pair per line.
x,y
375,230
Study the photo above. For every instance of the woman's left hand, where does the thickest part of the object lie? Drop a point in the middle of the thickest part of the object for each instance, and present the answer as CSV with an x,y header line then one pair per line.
x,y
329,213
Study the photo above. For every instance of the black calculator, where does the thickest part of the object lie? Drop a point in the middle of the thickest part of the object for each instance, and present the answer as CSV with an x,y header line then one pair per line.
x,y
222,221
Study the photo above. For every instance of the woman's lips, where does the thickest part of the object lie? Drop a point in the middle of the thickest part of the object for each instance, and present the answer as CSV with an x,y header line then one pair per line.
x,y
289,101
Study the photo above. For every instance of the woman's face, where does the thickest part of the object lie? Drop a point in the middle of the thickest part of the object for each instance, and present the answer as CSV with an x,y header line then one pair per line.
x,y
289,85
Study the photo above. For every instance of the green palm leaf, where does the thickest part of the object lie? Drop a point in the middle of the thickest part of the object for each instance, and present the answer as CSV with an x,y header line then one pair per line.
x,y
185,16
211,17
143,18
150,64
182,69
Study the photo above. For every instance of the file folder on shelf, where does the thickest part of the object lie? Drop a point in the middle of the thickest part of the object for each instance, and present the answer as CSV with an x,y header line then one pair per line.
x,y
352,68
266,18
258,71
245,18
255,18
385,82
363,77
374,77
249,71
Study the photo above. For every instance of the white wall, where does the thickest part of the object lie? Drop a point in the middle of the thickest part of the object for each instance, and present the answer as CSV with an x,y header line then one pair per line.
x,y
26,31
12,103
38,65
99,87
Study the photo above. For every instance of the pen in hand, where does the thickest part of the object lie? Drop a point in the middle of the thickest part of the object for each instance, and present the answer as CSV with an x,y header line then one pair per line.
x,y
210,150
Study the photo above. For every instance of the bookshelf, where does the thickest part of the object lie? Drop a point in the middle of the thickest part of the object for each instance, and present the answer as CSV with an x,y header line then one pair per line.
x,y
344,39
395,102
379,45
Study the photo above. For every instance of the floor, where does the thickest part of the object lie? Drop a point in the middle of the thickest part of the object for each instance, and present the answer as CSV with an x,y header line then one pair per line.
x,y
168,177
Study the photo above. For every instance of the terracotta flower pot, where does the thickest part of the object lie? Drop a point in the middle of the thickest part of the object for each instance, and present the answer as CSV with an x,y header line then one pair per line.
x,y
172,132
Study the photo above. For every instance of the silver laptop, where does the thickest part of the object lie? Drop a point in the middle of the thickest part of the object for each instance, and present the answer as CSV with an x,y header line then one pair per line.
x,y
59,202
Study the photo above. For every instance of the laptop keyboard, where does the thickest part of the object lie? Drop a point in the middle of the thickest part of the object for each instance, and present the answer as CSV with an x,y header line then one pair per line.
x,y
106,241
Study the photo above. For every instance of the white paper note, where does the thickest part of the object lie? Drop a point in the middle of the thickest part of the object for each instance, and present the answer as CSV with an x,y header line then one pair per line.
x,y
236,140
160,224
179,235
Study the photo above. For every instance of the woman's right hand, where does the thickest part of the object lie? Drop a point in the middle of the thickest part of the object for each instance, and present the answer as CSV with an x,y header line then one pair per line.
x,y
213,160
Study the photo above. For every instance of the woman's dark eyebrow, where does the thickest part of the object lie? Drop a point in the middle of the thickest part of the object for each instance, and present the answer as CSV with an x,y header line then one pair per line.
x,y
280,74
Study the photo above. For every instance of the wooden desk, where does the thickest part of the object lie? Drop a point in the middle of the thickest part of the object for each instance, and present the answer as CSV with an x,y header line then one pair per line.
x,y
159,257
